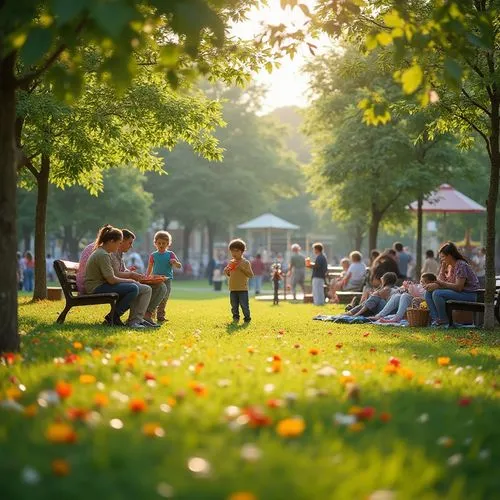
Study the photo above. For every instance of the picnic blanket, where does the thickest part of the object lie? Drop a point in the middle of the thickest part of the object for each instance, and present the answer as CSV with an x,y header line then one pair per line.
x,y
342,318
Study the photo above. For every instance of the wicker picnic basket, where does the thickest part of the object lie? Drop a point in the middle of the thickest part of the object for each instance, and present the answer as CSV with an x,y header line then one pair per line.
x,y
418,317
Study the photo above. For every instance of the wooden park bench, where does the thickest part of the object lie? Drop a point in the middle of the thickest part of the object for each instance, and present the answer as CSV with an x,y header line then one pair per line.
x,y
66,273
474,307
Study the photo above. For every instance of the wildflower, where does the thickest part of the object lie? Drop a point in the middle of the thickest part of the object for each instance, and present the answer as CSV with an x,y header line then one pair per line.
x,y
149,376
87,379
313,351
60,432
137,405
394,361
443,361
291,427
77,345
60,467
256,417
357,427
64,389
13,393
390,369
198,388
153,429
385,417
100,399
464,401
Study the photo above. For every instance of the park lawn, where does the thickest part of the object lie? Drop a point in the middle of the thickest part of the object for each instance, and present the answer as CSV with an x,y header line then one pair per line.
x,y
434,432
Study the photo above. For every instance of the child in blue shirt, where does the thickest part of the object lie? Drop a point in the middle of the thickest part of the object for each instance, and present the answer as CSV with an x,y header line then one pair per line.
x,y
163,262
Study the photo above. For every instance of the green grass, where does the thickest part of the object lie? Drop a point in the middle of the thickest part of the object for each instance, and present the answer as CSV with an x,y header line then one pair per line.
x,y
326,462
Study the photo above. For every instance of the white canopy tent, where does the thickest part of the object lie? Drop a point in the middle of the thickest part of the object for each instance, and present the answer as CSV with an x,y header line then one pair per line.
x,y
267,223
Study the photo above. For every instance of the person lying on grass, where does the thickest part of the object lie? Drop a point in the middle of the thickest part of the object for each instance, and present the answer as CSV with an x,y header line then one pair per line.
x,y
409,293
378,298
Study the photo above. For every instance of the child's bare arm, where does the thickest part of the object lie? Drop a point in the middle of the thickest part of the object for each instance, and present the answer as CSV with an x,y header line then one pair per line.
x,y
150,266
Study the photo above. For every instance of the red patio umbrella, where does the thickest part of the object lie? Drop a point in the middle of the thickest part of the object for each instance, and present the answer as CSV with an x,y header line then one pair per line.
x,y
445,200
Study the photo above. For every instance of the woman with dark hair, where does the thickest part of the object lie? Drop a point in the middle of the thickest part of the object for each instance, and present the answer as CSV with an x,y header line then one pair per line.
x,y
456,281
100,276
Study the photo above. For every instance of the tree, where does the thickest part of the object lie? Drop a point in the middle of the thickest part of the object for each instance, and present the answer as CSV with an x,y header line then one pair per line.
x,y
255,171
73,143
34,35
123,202
359,169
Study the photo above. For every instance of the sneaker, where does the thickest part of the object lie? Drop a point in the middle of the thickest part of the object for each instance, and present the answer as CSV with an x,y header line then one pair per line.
x,y
136,326
149,324
161,320
247,320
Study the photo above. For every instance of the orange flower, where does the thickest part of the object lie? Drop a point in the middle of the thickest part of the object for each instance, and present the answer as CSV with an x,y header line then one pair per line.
x,y
291,427
30,410
64,389
357,427
339,345
171,401
276,357
137,405
71,359
390,369
346,379
385,417
100,399
242,495
149,376
407,373
153,429
60,432
256,417
275,403
60,467
199,367
77,345
250,349
13,393
443,361
77,413
85,378
96,353
198,388
474,351
276,366
314,351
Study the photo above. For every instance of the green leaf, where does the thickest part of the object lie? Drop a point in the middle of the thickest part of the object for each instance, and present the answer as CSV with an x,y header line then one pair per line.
x,y
452,72
65,10
412,78
169,55
112,17
36,46
269,67
384,38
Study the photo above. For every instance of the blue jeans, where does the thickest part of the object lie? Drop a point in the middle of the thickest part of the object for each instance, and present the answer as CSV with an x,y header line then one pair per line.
x,y
436,301
257,283
240,299
397,304
127,292
28,280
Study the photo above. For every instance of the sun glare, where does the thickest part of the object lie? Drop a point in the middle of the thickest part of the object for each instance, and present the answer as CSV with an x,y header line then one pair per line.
x,y
287,86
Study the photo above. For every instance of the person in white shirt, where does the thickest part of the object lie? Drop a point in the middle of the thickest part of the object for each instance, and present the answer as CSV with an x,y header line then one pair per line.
x,y
354,278
479,263
431,265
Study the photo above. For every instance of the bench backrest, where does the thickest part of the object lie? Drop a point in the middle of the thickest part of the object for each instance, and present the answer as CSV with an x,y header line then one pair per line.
x,y
66,273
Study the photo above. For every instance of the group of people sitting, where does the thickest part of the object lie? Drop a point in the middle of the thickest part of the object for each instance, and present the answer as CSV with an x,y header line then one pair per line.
x,y
102,270
453,278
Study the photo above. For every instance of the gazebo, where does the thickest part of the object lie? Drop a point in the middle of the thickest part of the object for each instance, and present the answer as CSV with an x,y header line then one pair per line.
x,y
267,224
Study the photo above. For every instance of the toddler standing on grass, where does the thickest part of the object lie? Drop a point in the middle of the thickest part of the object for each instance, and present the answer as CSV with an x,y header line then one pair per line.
x,y
239,270
162,262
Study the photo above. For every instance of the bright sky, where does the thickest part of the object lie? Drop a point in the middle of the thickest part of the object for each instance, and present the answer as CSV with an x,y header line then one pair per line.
x,y
288,85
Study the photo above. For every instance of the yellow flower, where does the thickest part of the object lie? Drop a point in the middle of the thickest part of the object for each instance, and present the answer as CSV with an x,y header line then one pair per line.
x,y
87,379
443,361
164,380
355,410
407,373
423,305
474,351
242,495
390,369
356,427
77,345
13,393
153,429
60,432
346,379
291,427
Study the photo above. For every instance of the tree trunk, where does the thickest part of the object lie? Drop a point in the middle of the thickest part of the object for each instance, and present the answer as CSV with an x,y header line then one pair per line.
x,y
186,236
40,292
358,238
166,221
489,299
9,336
71,242
374,225
418,267
211,228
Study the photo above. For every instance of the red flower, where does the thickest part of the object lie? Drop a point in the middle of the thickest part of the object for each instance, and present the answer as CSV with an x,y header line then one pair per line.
x,y
464,401
149,376
366,413
9,357
71,358
275,403
77,413
394,361
385,417
276,357
256,417
64,389
137,405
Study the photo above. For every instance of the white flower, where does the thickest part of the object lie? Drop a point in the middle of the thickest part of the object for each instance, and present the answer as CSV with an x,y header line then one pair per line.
x,y
342,419
422,419
30,475
455,459
326,371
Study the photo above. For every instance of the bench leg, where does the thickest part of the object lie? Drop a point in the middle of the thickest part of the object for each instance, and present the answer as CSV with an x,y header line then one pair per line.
x,y
112,312
63,315
449,313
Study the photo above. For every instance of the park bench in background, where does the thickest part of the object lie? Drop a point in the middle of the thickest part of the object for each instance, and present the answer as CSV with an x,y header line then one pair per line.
x,y
474,307
66,273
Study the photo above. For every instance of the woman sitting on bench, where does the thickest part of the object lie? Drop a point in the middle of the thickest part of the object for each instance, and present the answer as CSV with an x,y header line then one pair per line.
x,y
100,277
456,281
